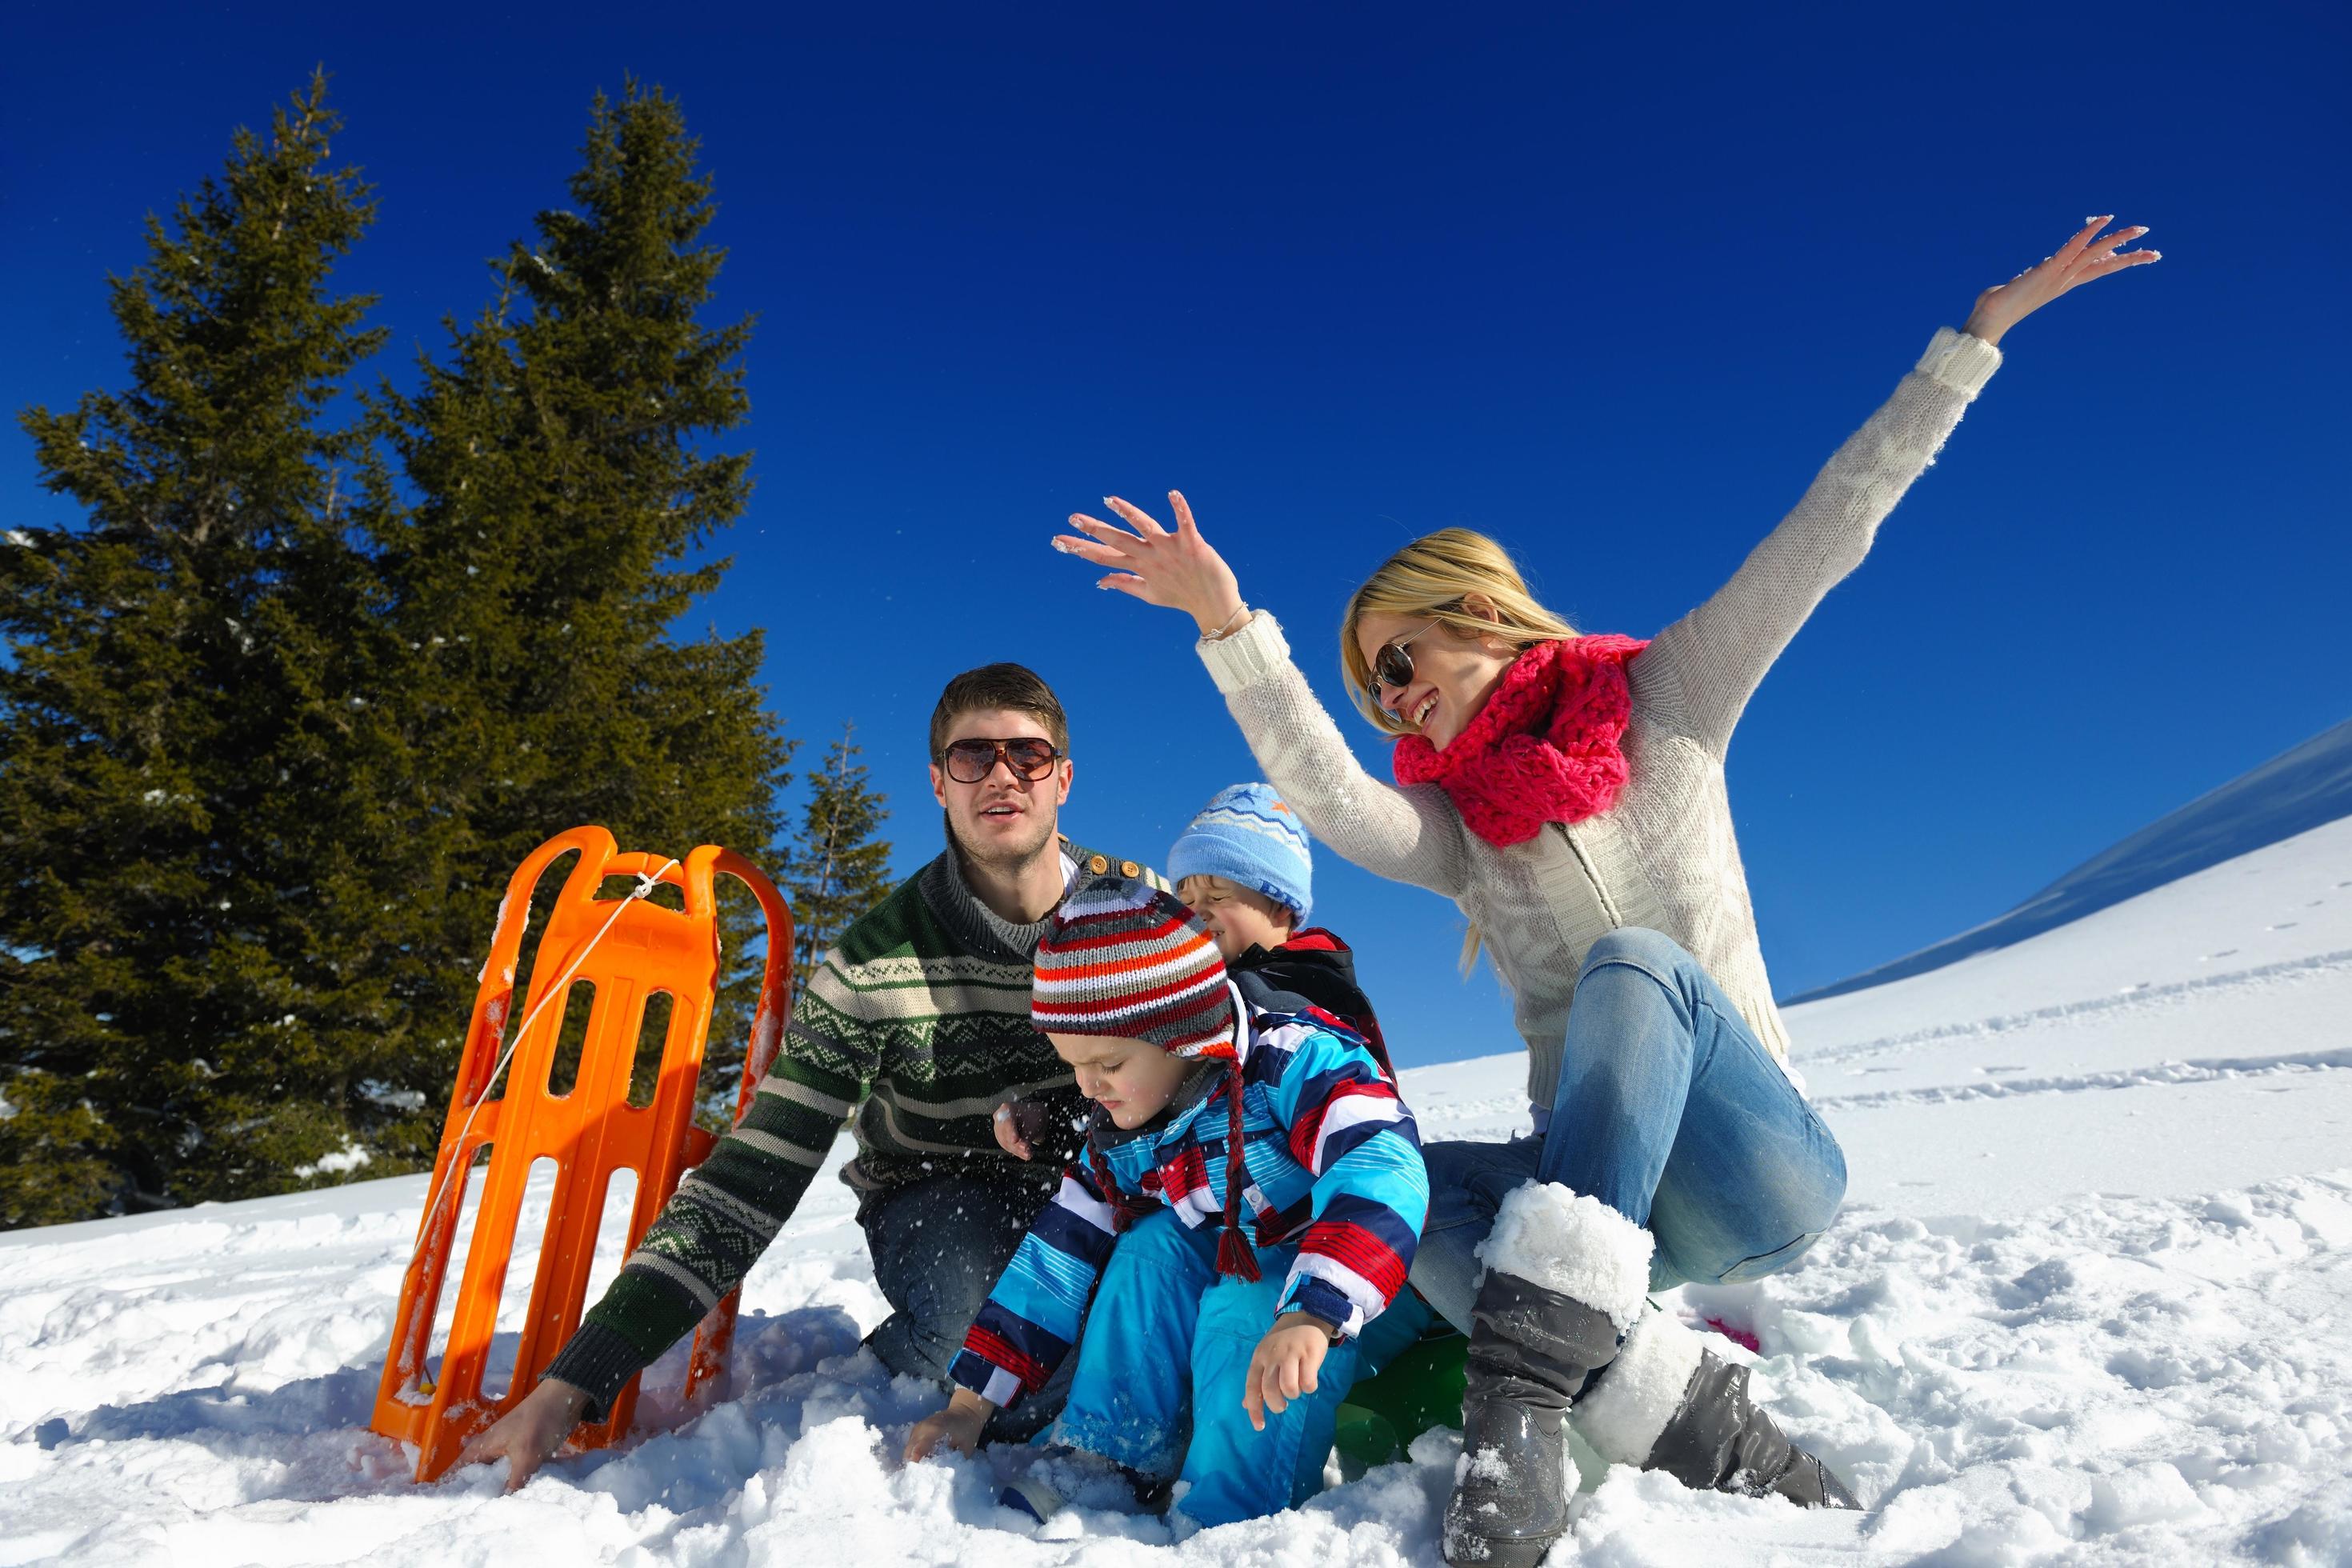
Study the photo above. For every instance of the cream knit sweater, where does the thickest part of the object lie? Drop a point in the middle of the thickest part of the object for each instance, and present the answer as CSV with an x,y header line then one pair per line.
x,y
1664,856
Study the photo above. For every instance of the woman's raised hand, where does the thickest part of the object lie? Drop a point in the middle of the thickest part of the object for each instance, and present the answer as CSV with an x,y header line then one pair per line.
x,y
1176,570
2089,255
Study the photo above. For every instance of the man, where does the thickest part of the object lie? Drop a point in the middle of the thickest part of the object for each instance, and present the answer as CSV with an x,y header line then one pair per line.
x,y
919,1023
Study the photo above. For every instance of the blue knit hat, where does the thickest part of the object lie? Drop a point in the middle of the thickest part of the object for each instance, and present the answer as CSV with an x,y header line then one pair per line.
x,y
1246,834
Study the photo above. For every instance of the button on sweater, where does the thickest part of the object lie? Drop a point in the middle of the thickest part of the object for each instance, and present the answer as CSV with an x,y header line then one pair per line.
x,y
1664,856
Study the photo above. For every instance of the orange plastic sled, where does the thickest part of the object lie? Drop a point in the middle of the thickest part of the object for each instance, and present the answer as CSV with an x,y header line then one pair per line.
x,y
634,949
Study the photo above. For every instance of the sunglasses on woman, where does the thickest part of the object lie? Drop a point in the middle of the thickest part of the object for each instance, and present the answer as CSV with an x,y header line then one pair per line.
x,y
969,762
1394,666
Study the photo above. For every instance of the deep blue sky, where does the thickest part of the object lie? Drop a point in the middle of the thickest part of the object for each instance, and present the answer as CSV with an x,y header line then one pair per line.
x,y
1607,283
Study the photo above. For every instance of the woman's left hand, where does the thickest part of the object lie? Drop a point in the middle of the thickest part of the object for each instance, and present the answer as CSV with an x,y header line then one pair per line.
x,y
2089,255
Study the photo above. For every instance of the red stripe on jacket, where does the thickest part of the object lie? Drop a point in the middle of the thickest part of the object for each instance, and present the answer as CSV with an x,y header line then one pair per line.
x,y
1309,1127
998,1351
1358,1249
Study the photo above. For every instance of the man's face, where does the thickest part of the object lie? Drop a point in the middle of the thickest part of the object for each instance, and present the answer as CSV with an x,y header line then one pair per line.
x,y
1004,819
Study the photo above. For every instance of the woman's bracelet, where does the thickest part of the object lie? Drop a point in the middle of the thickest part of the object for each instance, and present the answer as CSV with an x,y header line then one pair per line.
x,y
1233,623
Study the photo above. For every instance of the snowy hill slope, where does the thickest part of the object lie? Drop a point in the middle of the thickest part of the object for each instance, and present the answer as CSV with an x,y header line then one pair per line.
x,y
2294,792
2091,1301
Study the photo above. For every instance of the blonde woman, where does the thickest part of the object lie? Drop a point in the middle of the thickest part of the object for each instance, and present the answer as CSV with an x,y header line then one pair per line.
x,y
1568,794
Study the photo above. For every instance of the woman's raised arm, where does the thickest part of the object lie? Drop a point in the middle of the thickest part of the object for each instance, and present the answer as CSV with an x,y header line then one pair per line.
x,y
1700,672
1406,835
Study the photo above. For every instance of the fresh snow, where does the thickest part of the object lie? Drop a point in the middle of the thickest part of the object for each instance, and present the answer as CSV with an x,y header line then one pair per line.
x,y
2090,1302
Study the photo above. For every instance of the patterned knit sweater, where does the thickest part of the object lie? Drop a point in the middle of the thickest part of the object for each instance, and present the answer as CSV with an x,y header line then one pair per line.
x,y
1335,1171
919,1022
1664,856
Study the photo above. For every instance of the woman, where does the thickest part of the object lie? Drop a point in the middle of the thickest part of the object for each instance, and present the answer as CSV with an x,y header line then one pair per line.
x,y
1568,794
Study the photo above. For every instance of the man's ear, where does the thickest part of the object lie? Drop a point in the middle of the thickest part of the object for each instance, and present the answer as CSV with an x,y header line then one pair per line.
x,y
938,785
1068,771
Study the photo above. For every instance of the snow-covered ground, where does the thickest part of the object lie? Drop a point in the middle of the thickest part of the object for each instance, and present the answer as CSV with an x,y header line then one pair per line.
x,y
2091,1301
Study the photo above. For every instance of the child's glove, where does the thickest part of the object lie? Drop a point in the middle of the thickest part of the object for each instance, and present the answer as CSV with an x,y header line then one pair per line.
x,y
1285,1364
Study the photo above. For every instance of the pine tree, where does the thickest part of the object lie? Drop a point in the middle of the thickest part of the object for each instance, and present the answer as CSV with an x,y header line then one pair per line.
x,y
840,870
565,485
214,851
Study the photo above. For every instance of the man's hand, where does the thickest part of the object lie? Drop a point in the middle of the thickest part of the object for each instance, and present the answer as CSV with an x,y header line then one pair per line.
x,y
528,1433
1014,1122
1285,1363
958,1427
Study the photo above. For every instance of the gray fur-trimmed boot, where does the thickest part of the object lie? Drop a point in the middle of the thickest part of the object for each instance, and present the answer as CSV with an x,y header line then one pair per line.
x,y
1565,1278
1667,1405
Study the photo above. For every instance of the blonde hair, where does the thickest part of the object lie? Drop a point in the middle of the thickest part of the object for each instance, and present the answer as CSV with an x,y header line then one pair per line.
x,y
1431,579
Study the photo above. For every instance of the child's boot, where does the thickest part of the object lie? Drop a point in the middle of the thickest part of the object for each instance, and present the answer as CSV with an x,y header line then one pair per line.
x,y
1062,1477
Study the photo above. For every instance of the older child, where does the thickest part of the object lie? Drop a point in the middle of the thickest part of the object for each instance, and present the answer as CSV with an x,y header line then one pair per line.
x,y
1243,865
1248,1199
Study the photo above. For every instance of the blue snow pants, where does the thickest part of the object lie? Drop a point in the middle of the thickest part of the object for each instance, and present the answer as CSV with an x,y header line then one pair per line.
x,y
1165,1359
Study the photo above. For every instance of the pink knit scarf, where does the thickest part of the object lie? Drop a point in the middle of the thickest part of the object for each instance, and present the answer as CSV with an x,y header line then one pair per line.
x,y
1546,746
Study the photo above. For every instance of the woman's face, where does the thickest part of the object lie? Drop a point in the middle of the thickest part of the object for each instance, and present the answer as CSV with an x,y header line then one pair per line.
x,y
1453,674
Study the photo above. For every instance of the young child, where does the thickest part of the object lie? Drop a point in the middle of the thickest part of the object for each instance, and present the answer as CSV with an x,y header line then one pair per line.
x,y
1248,1199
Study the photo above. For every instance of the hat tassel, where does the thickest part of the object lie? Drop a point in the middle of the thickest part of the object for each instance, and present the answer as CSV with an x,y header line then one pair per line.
x,y
1235,1255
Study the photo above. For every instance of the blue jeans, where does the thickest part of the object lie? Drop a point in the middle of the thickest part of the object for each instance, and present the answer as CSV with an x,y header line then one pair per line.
x,y
1670,1111
939,1246
1164,1361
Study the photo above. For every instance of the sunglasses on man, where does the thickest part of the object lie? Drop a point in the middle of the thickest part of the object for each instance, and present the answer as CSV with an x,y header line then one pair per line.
x,y
969,762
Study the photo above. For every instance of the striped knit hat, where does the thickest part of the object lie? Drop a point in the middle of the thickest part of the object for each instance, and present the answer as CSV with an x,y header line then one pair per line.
x,y
1126,960
1246,834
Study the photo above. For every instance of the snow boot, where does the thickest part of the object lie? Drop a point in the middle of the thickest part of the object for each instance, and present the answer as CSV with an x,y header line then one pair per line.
x,y
1565,1276
1667,1405
1060,1477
